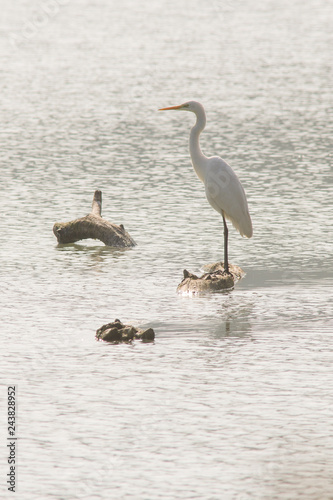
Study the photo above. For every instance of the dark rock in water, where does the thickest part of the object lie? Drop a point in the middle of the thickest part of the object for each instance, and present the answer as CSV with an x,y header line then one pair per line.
x,y
112,335
147,335
215,279
118,332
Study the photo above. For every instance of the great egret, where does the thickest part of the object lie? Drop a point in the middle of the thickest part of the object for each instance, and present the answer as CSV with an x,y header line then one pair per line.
x,y
223,189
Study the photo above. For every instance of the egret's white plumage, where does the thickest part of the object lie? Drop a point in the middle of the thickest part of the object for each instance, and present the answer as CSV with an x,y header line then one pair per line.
x,y
223,189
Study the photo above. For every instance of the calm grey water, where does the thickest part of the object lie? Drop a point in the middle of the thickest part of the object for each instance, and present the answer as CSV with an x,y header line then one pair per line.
x,y
234,399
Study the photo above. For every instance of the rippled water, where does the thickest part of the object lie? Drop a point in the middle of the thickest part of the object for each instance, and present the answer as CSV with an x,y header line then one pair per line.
x,y
234,399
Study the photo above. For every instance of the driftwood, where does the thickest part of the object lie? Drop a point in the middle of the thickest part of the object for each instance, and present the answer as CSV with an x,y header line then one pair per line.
x,y
93,226
118,332
215,279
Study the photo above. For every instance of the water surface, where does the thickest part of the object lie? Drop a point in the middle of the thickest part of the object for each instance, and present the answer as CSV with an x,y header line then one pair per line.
x,y
234,398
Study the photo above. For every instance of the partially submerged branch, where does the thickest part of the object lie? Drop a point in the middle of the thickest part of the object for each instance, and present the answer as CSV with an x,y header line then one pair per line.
x,y
93,226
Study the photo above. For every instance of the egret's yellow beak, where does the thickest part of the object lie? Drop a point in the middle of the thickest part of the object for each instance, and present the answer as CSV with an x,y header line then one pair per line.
x,y
171,107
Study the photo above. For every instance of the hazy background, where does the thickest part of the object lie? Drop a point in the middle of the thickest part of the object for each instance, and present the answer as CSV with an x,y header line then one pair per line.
x,y
234,398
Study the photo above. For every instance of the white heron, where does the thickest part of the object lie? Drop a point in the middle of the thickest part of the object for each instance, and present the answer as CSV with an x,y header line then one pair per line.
x,y
223,189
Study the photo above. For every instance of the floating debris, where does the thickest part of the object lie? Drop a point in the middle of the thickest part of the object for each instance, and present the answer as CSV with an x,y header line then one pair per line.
x,y
118,332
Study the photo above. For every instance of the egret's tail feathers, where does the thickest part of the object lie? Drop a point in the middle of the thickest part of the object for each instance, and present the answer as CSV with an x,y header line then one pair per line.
x,y
244,227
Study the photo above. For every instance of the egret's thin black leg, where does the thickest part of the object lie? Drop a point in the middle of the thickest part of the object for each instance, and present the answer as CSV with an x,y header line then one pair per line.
x,y
226,265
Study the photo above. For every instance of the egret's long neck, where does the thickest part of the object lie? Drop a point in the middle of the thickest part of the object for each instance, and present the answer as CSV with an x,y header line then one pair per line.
x,y
198,158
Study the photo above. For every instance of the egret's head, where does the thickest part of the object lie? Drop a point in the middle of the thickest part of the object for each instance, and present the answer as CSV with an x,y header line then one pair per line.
x,y
193,106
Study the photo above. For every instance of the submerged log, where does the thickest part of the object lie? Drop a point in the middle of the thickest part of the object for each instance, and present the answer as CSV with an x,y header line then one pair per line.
x,y
214,279
93,226
118,332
